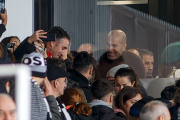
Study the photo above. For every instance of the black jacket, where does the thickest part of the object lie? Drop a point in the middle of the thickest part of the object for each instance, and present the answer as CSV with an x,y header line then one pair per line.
x,y
83,83
74,116
101,112
174,112
120,114
2,29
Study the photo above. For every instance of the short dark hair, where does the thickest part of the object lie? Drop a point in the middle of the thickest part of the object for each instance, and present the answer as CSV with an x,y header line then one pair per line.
x,y
145,52
82,62
124,95
128,72
57,61
60,33
101,88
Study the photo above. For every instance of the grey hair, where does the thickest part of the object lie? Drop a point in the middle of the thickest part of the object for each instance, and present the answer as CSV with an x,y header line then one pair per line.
x,y
153,110
145,52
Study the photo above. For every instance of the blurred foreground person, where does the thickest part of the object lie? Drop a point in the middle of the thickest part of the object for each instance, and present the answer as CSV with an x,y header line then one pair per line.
x,y
135,51
87,47
102,95
155,110
77,109
7,108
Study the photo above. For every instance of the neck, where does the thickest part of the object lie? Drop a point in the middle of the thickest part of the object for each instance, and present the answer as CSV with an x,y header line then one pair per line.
x,y
38,80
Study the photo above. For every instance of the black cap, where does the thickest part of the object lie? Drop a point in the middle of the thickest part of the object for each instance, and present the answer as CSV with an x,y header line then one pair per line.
x,y
54,72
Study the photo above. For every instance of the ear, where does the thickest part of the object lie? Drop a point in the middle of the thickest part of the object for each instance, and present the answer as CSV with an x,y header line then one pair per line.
x,y
72,66
56,82
161,117
111,98
52,43
124,47
91,70
133,84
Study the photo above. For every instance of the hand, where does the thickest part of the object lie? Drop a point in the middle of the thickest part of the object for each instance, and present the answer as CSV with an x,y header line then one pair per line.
x,y
64,57
36,36
4,17
48,89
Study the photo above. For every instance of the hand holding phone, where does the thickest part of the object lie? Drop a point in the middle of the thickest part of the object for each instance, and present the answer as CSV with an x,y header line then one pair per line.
x,y
2,6
50,37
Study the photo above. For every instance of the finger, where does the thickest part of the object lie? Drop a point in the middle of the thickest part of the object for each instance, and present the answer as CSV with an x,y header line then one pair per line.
x,y
42,36
42,33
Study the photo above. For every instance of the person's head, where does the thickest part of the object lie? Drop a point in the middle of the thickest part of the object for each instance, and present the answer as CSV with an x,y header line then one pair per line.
x,y
176,99
37,64
7,108
102,90
135,51
155,110
57,61
83,63
87,47
111,73
57,77
148,61
116,44
12,39
73,98
40,46
125,98
60,46
125,77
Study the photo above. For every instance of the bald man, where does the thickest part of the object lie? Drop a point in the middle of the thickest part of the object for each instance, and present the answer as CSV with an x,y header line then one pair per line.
x,y
7,108
117,54
116,44
155,110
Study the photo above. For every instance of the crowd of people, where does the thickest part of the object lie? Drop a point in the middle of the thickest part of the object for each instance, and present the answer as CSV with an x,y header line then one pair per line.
x,y
72,85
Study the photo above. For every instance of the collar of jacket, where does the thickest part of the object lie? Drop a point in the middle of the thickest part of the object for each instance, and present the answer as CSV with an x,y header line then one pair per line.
x,y
96,102
81,79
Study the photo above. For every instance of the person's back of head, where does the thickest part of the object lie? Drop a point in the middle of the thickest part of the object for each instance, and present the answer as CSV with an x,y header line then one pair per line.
x,y
155,110
176,99
57,61
83,62
73,100
102,90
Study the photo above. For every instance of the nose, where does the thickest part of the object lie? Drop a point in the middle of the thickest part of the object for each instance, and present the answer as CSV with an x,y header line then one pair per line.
x,y
7,116
121,87
151,66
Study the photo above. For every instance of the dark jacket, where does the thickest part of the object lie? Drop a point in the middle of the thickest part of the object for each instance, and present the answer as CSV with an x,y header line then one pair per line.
x,y
83,83
74,116
128,58
120,114
103,111
2,29
174,112
5,58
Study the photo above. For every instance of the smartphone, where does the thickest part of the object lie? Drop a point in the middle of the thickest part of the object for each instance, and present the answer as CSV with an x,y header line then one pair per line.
x,y
2,6
50,37
10,46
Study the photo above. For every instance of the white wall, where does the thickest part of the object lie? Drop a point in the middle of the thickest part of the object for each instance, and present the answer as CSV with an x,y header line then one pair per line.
x,y
20,18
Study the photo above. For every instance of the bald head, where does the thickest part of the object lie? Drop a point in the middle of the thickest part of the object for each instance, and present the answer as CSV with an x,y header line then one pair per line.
x,y
116,44
87,47
7,108
119,35
155,110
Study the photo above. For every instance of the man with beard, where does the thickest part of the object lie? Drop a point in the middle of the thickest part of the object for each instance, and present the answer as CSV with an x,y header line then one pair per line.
x,y
116,54
43,105
81,72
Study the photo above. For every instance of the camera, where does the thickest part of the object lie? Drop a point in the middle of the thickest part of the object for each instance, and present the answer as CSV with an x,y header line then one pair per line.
x,y
10,46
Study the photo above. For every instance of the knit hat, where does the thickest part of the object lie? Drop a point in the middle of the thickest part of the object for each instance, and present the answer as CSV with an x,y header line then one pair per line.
x,y
36,62
171,53
54,72
113,70
136,107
